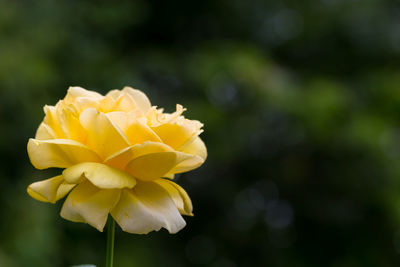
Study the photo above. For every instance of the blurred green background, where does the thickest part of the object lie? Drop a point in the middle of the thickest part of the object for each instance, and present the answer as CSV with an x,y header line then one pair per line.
x,y
301,106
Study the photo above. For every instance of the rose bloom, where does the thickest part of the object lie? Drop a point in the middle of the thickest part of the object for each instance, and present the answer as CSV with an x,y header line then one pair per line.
x,y
119,156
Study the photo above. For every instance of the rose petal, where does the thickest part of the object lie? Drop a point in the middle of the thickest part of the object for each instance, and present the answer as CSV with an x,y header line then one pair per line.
x,y
76,91
44,132
100,175
125,103
197,147
138,132
147,207
141,100
52,121
114,94
64,189
49,190
122,158
59,153
68,118
89,204
177,134
190,163
155,165
119,118
103,135
82,99
178,195
199,152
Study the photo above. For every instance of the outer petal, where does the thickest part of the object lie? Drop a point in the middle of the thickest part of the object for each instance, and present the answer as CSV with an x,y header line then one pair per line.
x,y
190,163
100,175
122,158
82,99
44,132
75,92
199,152
152,166
178,195
52,121
59,153
49,190
141,100
125,103
114,94
176,134
147,207
64,189
197,147
103,135
89,204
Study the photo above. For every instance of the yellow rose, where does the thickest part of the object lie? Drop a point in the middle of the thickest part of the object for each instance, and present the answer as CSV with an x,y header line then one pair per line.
x,y
120,155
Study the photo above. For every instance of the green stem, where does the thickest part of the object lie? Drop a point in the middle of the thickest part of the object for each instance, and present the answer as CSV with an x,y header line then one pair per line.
x,y
110,242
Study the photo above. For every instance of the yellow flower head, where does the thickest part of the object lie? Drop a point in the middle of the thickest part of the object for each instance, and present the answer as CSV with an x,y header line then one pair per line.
x,y
120,155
